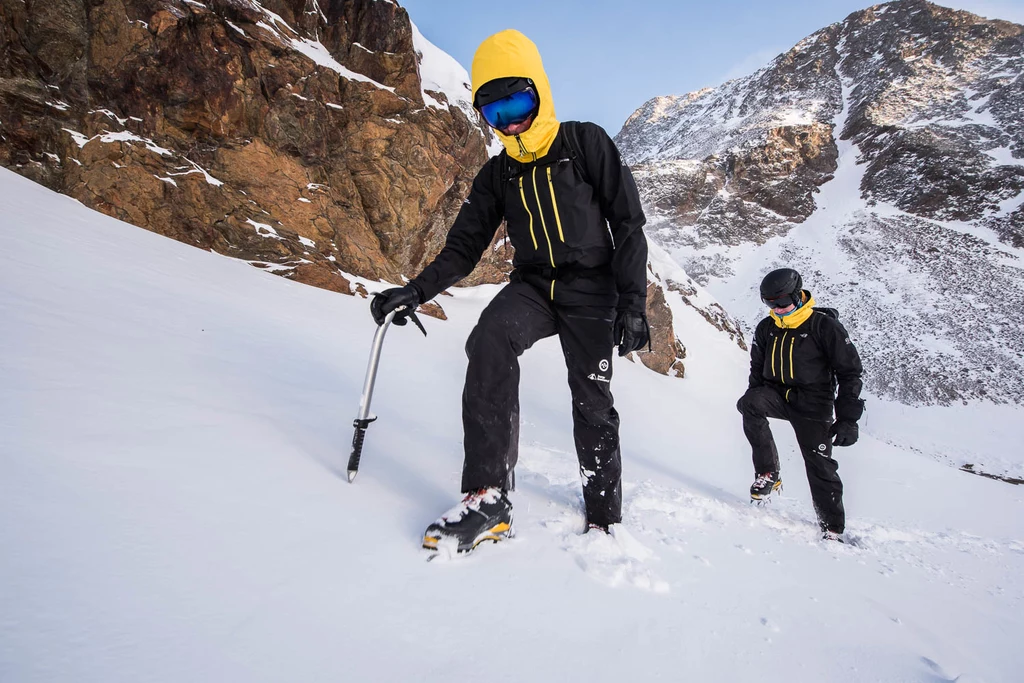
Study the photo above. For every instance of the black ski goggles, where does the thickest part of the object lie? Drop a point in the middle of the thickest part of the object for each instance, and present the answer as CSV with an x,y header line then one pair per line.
x,y
783,301
511,109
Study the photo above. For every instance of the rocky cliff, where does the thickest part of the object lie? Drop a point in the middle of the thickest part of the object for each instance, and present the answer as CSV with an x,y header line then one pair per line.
x,y
316,139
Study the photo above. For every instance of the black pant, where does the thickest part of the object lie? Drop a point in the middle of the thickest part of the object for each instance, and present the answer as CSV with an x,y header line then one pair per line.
x,y
812,435
517,318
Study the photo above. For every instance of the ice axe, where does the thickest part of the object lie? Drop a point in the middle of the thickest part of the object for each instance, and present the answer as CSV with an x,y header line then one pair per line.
x,y
363,420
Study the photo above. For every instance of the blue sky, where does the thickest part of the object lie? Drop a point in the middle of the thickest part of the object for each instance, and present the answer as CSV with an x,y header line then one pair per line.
x,y
606,58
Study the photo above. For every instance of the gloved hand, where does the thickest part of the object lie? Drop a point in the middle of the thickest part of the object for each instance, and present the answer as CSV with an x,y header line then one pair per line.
x,y
631,331
384,302
845,433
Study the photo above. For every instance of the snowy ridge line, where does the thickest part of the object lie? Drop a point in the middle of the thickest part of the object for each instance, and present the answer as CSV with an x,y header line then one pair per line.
x,y
440,72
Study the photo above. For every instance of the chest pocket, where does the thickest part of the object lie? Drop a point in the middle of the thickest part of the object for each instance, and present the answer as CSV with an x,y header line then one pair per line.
x,y
549,209
781,359
793,357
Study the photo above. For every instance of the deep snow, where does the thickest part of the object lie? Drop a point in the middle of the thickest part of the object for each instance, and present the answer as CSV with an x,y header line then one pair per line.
x,y
174,428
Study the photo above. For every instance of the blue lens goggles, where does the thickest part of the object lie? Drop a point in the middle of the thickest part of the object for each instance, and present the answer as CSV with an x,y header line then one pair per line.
x,y
510,110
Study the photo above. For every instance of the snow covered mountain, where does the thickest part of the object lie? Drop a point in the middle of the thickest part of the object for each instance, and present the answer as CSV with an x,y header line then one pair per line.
x,y
174,428
883,157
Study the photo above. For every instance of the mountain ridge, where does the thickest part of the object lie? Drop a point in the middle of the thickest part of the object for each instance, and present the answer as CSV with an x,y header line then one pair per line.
x,y
883,157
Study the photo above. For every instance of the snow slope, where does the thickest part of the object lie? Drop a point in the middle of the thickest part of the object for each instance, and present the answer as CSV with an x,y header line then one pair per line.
x,y
174,427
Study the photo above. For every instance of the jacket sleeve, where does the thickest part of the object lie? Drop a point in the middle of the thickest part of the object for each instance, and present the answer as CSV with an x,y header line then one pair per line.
x,y
620,204
845,362
756,378
472,231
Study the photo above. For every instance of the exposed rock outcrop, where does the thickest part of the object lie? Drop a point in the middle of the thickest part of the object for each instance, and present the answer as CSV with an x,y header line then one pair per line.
x,y
293,133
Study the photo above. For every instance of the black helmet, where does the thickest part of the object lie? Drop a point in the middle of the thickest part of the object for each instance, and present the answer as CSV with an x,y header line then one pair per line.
x,y
499,88
782,287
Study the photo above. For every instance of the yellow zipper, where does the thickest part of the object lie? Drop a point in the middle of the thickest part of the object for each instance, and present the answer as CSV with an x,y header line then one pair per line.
x,y
774,343
791,342
552,290
782,357
522,194
543,224
554,205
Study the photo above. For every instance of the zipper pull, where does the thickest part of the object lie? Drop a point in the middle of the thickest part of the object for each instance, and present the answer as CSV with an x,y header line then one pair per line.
x,y
522,148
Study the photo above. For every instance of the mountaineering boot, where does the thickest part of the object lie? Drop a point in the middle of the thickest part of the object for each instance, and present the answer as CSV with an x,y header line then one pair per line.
x,y
764,485
483,515
831,535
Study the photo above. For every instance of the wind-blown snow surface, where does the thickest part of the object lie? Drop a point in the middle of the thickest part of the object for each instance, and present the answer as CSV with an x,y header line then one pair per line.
x,y
174,427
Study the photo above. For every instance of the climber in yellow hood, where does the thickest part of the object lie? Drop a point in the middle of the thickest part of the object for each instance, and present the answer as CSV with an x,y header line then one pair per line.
x,y
500,63
572,214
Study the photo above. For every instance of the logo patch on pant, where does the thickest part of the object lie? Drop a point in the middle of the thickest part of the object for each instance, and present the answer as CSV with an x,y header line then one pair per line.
x,y
598,378
603,365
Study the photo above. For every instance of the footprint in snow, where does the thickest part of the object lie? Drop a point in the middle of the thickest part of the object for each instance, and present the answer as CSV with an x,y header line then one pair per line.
x,y
615,559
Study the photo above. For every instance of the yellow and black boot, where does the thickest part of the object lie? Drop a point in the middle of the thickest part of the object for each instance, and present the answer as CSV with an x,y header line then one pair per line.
x,y
483,515
764,485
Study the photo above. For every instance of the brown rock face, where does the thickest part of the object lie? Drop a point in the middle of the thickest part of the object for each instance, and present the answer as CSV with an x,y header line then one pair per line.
x,y
667,352
284,132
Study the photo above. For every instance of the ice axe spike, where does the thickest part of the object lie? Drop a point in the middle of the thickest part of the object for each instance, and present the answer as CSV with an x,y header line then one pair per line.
x,y
363,420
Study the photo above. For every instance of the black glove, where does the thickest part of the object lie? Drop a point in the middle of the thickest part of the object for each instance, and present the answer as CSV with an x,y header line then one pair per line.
x,y
384,302
845,433
631,332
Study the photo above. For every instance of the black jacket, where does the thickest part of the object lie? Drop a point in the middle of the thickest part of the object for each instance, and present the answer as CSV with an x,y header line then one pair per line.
x,y
575,224
806,364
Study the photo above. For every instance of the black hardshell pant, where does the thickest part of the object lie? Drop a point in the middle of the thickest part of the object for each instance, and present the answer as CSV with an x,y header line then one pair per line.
x,y
815,442
519,316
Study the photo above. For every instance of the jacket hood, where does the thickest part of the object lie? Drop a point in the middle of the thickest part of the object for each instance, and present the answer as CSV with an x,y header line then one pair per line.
x,y
511,54
797,317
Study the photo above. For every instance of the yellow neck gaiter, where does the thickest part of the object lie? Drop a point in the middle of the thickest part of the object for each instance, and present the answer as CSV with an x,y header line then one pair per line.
x,y
797,317
511,54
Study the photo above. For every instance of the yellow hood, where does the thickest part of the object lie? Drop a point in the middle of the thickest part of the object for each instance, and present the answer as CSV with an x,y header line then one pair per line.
x,y
511,54
797,317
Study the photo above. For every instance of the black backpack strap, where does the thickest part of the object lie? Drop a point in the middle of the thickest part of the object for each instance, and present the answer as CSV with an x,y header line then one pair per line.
x,y
572,139
816,323
504,168
507,170
830,312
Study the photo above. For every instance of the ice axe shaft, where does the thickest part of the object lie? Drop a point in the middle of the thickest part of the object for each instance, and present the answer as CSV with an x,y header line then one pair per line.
x,y
363,419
